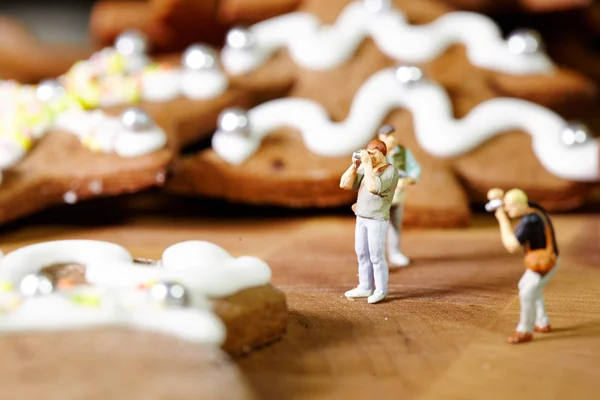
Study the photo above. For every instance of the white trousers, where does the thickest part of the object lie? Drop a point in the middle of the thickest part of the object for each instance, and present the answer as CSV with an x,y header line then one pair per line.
x,y
369,244
394,233
531,296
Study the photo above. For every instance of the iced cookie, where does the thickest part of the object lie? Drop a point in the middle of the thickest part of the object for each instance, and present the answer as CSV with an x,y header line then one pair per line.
x,y
158,324
129,114
197,293
478,110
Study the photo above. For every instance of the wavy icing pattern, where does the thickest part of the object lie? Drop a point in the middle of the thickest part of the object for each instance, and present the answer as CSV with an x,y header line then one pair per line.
x,y
317,46
442,135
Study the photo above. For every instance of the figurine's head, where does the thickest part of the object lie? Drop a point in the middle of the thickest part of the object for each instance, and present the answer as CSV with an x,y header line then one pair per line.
x,y
516,203
377,150
386,135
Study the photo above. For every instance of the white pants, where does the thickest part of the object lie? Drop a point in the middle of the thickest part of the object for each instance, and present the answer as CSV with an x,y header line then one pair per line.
x,y
394,232
531,296
370,250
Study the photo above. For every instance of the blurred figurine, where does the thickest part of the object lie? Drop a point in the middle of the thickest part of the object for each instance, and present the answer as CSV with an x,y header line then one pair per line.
x,y
409,171
536,234
376,180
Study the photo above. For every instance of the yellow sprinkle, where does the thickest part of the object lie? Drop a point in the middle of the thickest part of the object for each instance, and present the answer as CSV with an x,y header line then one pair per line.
x,y
87,300
6,286
22,140
116,63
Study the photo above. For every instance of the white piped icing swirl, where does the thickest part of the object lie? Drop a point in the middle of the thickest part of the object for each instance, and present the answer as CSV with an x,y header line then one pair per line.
x,y
436,129
314,45
206,270
103,133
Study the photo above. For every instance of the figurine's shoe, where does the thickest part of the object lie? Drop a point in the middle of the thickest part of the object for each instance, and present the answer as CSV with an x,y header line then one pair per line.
x,y
398,259
542,329
376,297
520,337
358,292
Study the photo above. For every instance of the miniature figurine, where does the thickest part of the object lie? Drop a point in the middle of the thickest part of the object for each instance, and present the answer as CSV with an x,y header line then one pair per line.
x,y
409,171
536,234
376,180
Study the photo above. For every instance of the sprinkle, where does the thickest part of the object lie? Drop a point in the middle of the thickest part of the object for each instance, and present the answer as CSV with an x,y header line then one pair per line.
x,y
6,286
146,285
88,300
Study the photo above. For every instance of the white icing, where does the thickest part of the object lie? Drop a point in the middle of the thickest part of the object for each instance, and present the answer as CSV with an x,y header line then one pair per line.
x,y
133,144
203,85
200,266
205,269
10,153
136,63
436,130
314,45
110,135
56,312
160,86
76,122
19,263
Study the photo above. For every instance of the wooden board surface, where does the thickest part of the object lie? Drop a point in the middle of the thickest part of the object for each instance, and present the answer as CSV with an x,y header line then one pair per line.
x,y
440,335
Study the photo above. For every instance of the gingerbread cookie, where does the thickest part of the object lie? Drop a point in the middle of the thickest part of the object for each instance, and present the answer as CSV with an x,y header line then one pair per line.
x,y
172,25
122,149
196,293
478,111
175,24
576,44
116,364
530,6
25,59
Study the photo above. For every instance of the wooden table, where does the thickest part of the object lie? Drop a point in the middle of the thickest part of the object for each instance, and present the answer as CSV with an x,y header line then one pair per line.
x,y
440,335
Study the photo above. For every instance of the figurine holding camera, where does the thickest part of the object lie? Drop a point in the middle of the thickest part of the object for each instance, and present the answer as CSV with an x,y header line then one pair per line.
x,y
535,234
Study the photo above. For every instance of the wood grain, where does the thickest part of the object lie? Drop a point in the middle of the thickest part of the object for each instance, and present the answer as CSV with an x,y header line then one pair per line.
x,y
442,332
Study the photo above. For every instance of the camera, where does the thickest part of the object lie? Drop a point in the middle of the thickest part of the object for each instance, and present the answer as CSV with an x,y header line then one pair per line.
x,y
493,205
356,155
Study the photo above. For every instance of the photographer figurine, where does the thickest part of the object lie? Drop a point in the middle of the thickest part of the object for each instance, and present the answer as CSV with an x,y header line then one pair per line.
x,y
375,179
410,171
536,234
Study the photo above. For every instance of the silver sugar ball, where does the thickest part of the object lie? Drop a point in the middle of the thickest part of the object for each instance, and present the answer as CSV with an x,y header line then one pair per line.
x,y
49,90
136,120
171,294
240,38
375,6
233,119
132,43
36,284
574,134
524,41
408,74
199,56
